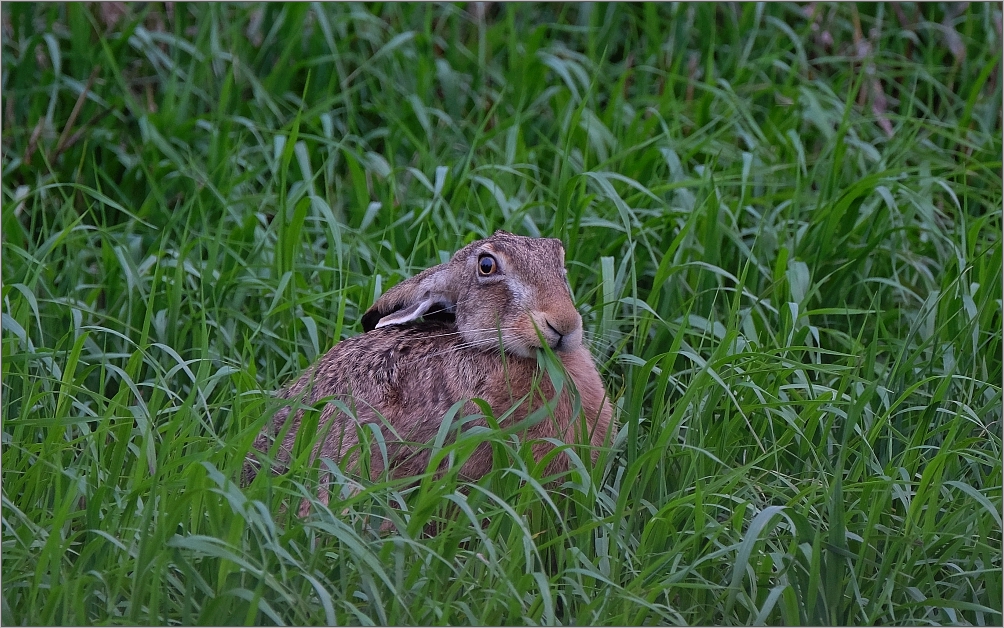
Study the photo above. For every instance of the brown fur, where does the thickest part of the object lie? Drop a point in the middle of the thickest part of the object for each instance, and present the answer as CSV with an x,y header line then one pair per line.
x,y
405,375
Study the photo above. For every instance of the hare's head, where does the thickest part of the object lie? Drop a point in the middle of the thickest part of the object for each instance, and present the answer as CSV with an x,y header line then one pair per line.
x,y
506,287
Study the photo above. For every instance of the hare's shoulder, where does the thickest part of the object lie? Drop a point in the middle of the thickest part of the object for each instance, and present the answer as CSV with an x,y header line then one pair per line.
x,y
388,355
411,337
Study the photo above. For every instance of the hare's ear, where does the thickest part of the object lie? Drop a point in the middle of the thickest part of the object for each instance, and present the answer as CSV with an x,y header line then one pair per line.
x,y
432,290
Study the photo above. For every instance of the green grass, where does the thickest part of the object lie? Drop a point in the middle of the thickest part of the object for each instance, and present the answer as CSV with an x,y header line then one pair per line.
x,y
783,231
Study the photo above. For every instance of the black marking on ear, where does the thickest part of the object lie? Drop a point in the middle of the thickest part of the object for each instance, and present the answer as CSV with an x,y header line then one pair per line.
x,y
370,319
443,313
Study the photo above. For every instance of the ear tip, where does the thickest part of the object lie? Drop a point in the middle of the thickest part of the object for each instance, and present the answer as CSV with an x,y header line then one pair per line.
x,y
370,319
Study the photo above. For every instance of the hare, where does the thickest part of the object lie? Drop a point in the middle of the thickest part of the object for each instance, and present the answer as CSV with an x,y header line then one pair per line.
x,y
506,295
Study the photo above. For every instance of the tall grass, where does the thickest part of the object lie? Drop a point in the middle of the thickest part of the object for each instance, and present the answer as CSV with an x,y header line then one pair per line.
x,y
783,229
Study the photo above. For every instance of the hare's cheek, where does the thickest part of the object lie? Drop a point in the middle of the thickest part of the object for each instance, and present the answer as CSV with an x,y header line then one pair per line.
x,y
518,343
520,350
523,338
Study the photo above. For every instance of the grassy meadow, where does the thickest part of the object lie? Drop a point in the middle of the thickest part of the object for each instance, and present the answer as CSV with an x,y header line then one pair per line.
x,y
783,231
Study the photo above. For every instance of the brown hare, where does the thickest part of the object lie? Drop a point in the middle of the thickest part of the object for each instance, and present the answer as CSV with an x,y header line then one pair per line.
x,y
507,295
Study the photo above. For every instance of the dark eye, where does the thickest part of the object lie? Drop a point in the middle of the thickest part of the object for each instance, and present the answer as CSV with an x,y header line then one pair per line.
x,y
487,265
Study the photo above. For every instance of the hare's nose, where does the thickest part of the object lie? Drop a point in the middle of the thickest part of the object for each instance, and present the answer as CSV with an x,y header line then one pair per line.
x,y
561,325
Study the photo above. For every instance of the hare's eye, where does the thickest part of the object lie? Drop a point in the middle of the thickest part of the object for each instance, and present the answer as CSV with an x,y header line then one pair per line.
x,y
487,265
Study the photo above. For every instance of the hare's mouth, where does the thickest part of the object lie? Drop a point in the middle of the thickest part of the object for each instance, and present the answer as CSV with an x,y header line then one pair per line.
x,y
523,340
554,337
557,332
